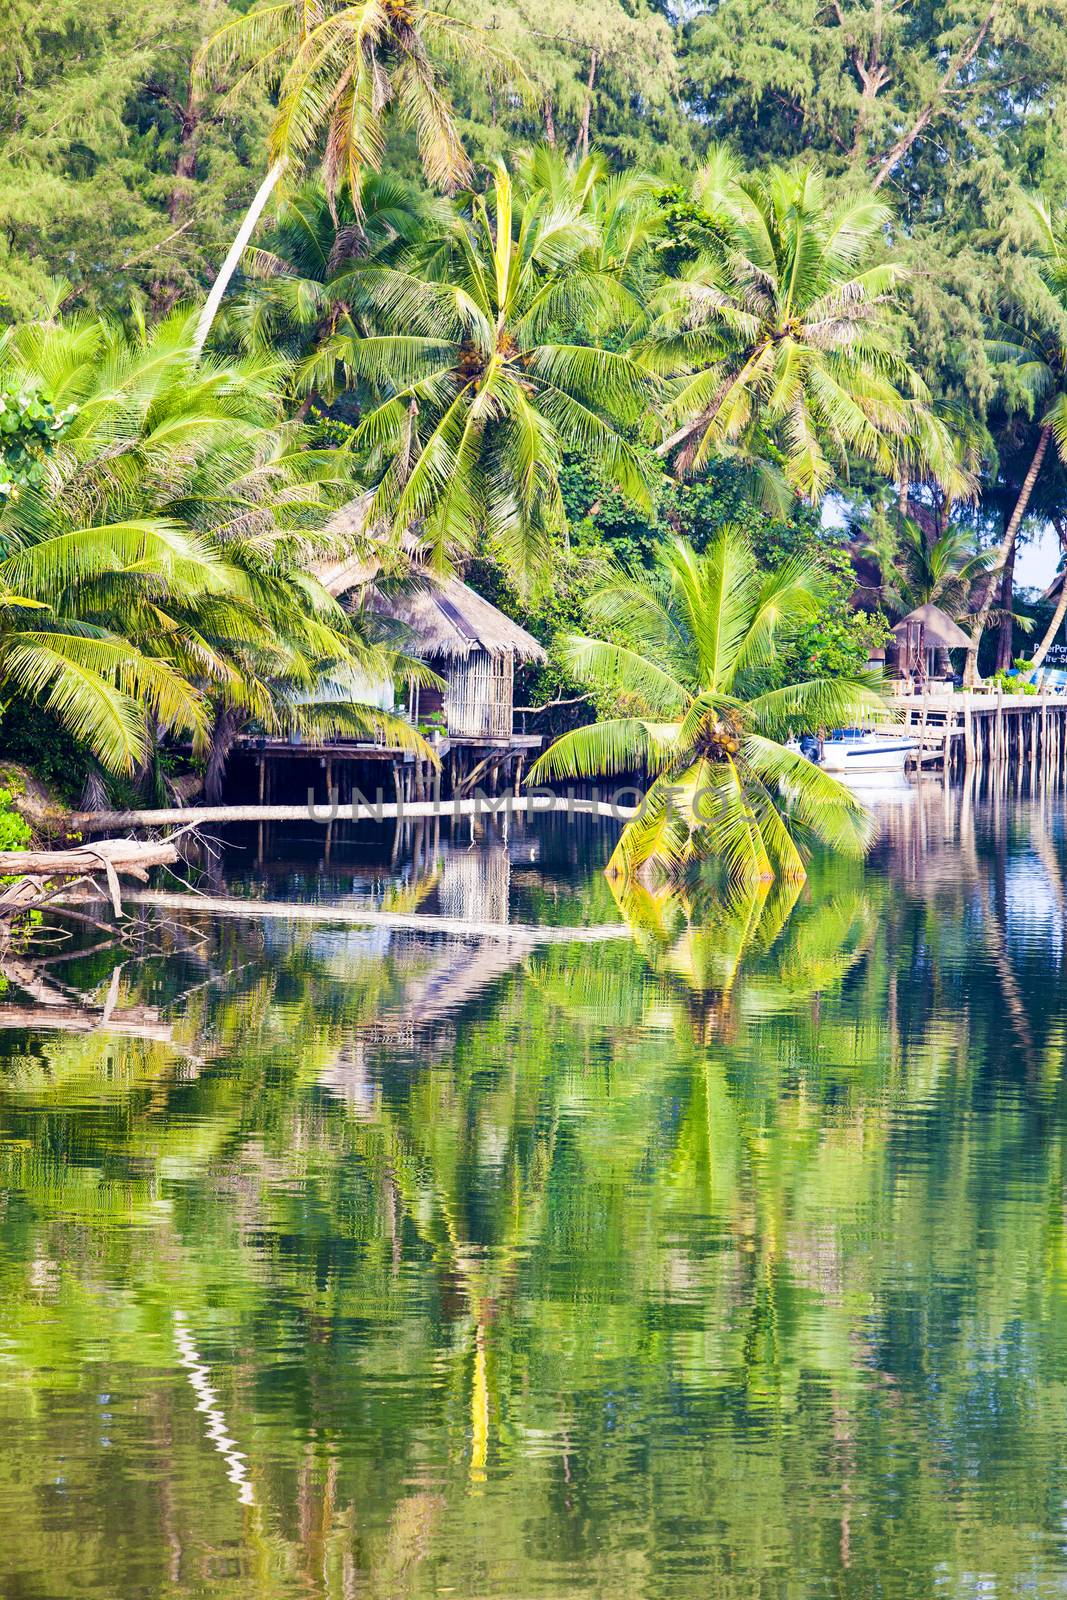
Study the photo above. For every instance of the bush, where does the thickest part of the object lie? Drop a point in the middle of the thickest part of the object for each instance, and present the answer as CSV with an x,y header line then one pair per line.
x,y
31,738
15,831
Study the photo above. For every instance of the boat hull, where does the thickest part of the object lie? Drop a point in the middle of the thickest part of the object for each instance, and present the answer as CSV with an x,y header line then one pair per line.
x,y
848,758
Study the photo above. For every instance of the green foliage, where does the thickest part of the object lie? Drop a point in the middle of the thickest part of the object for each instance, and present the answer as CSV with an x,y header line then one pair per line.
x,y
840,639
502,369
15,831
602,73
604,532
30,426
809,370
345,69
1011,683
114,176
935,103
688,231
478,398
158,576
31,738
691,654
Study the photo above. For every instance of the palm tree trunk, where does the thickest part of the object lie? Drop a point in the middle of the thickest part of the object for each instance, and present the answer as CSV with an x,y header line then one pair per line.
x,y
1007,544
1007,599
223,738
1061,607
236,251
583,135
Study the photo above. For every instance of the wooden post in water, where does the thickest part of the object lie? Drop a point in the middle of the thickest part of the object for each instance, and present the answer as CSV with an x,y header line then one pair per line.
x,y
1050,759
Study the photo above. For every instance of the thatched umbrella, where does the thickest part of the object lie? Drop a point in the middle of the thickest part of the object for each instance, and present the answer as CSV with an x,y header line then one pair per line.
x,y
926,630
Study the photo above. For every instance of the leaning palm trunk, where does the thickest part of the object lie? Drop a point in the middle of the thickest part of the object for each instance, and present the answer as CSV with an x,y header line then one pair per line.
x,y
1007,618
1057,616
236,251
1053,628
1007,544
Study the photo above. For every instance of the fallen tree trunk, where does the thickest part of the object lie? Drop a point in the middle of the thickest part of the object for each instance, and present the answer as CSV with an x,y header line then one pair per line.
x,y
358,916
35,871
104,821
131,856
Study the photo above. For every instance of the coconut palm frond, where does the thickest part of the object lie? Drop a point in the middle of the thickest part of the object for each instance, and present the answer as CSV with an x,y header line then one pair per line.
x,y
721,781
788,325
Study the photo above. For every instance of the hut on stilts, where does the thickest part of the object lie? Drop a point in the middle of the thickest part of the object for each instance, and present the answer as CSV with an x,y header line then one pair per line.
x,y
472,647
468,714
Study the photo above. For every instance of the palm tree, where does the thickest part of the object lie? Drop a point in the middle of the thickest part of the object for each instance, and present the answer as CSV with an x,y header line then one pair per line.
x,y
784,333
480,398
691,658
1036,358
298,287
81,524
166,551
923,569
625,218
338,68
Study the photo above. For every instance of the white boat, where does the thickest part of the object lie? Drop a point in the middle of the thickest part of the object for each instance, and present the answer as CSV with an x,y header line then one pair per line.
x,y
859,752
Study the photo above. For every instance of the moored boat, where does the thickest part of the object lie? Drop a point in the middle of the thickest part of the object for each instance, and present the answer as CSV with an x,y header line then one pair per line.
x,y
857,752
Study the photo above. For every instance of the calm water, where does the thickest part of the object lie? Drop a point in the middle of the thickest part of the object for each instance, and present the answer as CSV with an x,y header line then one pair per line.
x,y
724,1259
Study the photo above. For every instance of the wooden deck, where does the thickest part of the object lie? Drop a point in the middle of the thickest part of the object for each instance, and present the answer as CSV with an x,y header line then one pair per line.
x,y
980,728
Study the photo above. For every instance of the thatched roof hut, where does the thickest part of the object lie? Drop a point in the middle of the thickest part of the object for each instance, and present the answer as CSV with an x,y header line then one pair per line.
x,y
445,619
921,635
468,642
939,632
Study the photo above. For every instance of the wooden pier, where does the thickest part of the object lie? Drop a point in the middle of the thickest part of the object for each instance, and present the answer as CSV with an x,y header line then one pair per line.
x,y
344,767
988,731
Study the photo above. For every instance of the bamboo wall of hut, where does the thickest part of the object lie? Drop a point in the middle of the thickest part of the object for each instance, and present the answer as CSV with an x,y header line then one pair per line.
x,y
480,696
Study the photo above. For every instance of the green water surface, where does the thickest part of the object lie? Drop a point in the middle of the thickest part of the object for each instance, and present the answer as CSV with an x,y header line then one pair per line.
x,y
723,1259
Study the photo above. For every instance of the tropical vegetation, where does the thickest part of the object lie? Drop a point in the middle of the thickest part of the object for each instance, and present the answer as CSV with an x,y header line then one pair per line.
x,y
693,655
782,330
155,566
547,311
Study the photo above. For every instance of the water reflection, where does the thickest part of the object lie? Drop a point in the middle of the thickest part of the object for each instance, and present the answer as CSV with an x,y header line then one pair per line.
x,y
728,1257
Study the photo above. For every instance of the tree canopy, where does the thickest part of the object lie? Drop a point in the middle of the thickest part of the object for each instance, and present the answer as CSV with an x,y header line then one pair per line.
x,y
479,255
